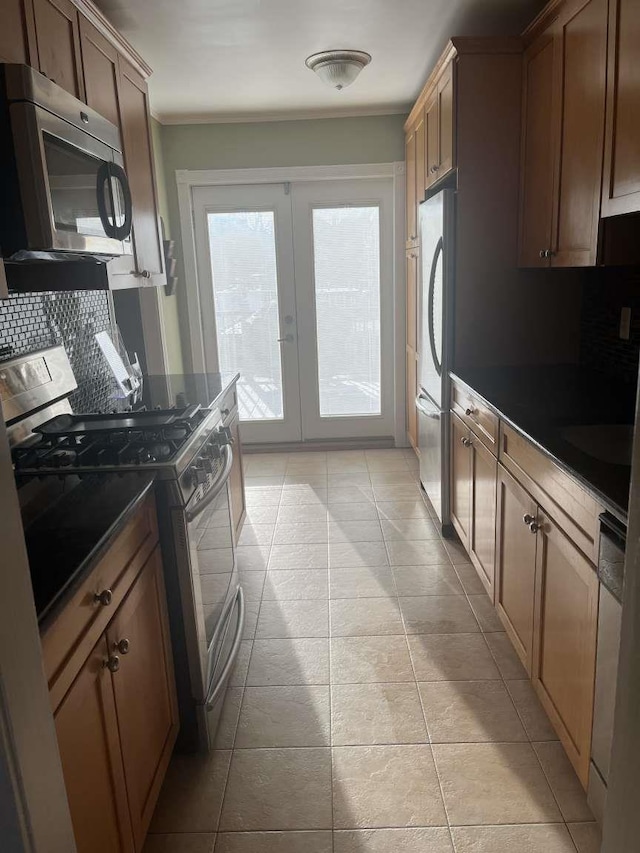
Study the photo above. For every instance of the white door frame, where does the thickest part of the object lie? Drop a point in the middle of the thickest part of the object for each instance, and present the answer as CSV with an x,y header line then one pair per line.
x,y
187,179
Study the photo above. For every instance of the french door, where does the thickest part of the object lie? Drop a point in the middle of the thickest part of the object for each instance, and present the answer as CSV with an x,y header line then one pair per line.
x,y
296,293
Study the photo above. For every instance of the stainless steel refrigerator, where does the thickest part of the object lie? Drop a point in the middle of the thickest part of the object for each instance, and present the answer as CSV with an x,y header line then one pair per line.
x,y
435,313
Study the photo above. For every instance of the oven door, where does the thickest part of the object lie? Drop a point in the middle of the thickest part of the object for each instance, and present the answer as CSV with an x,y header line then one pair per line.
x,y
212,600
74,190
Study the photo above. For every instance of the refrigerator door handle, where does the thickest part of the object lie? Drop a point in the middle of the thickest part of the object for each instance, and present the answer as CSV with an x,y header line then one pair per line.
x,y
432,274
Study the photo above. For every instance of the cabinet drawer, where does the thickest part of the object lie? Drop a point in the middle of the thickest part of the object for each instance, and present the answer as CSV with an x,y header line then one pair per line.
x,y
556,491
476,415
68,641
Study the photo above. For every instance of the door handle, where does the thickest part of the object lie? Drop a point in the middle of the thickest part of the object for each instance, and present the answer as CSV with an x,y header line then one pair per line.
x,y
287,339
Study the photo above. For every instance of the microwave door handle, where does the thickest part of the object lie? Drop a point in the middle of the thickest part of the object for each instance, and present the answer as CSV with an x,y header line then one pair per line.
x,y
118,174
107,217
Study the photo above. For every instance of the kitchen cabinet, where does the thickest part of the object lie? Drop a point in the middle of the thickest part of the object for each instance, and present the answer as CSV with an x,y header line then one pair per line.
x,y
621,182
410,166
516,564
87,729
421,157
439,113
473,498
100,67
236,477
135,127
412,261
108,661
563,137
143,687
17,33
412,298
460,480
411,390
564,653
58,43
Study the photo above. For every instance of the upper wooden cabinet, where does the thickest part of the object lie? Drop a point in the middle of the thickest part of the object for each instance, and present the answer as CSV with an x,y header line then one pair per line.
x,y
411,223
100,66
563,136
17,33
58,42
430,153
440,123
621,184
135,126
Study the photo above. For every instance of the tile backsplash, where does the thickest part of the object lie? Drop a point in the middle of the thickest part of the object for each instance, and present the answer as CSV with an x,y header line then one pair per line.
x,y
33,321
605,292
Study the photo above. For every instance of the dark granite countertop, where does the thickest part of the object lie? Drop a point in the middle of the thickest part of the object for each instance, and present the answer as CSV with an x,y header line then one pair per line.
x,y
64,543
185,389
542,402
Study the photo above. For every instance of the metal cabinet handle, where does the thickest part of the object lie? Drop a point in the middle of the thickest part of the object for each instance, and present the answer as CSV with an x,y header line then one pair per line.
x,y
527,518
287,339
534,527
141,273
469,412
225,413
434,169
466,442
104,598
123,646
112,663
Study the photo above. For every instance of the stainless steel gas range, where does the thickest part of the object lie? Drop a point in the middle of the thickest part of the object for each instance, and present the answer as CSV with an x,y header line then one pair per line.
x,y
189,450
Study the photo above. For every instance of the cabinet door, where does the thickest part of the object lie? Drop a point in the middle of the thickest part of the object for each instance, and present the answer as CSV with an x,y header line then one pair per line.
x,y
516,564
144,690
58,40
621,185
412,299
446,156
433,140
236,478
87,729
566,625
410,159
580,75
138,156
421,162
411,389
537,155
461,479
482,544
100,67
17,33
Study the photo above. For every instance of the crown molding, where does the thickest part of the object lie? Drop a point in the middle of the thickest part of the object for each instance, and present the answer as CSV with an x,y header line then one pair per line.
x,y
294,115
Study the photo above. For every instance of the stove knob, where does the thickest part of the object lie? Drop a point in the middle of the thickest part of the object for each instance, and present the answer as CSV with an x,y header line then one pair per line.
x,y
198,475
207,464
224,436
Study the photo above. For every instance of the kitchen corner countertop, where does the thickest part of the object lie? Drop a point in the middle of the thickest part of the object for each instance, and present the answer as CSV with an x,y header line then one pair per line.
x,y
541,403
65,542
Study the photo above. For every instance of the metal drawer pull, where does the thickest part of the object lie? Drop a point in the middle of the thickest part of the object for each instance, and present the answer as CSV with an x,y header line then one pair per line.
x,y
534,527
104,598
112,663
530,520
469,412
466,442
233,654
123,646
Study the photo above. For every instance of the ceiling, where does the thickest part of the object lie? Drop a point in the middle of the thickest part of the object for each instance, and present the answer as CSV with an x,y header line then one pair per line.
x,y
237,60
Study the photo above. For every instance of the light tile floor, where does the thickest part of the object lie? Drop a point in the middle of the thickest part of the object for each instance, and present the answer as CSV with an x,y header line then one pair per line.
x,y
377,706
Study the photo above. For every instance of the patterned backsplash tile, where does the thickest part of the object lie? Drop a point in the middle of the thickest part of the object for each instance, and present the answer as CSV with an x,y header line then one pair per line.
x,y
33,321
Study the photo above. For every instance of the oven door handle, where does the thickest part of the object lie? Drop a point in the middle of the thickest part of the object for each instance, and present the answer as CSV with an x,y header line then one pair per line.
x,y
215,689
200,505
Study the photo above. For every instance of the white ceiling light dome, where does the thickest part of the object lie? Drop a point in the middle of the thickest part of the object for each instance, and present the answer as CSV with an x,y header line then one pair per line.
x,y
338,68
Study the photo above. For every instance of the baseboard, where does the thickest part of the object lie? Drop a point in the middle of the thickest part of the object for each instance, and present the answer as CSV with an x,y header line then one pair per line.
x,y
321,445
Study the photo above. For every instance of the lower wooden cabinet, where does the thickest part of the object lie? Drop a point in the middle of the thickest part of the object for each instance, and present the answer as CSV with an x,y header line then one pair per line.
x,y
118,722
144,690
236,478
516,564
411,390
87,728
473,499
565,637
460,480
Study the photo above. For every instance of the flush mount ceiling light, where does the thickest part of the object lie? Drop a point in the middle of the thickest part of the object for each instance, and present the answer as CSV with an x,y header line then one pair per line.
x,y
338,68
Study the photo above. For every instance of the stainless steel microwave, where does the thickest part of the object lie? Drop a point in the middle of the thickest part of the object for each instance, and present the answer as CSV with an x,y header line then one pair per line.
x,y
64,185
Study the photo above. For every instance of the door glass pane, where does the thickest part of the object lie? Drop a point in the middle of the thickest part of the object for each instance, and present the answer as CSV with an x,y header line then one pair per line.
x,y
245,288
346,245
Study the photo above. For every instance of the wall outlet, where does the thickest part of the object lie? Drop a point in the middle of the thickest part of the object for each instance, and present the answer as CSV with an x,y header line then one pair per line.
x,y
625,323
